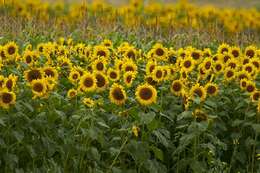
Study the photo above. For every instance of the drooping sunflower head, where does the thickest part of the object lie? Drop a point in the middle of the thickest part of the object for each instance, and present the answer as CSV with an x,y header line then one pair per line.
x,y
33,74
101,81
199,115
88,82
72,93
146,94
113,74
117,94
7,98
177,87
128,78
198,91
212,89
250,51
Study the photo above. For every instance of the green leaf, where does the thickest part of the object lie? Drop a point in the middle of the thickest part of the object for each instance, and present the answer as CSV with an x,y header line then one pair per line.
x,y
18,135
146,118
157,152
162,139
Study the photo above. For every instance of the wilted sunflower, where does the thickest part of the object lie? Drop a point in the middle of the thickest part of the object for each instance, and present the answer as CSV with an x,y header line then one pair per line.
x,y
88,82
212,89
39,87
117,94
33,74
113,74
128,78
7,98
51,72
101,81
11,49
198,91
146,94
177,87
71,93
158,74
88,102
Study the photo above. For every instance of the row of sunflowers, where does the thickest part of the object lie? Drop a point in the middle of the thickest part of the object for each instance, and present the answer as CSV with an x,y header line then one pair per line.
x,y
125,74
150,14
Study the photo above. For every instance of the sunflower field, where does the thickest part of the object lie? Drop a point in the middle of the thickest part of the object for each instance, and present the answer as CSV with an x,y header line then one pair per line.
x,y
129,87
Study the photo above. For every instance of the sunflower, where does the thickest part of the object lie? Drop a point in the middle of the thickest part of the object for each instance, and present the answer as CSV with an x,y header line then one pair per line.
x,y
88,102
150,67
99,65
250,51
255,96
198,91
218,67
177,87
250,68
40,48
3,56
50,72
28,58
187,64
128,78
229,74
71,93
7,98
207,64
131,53
242,75
33,74
129,65
196,55
11,49
88,82
223,48
107,43
10,82
199,115
149,80
74,76
226,57
101,51
235,51
256,63
101,81
250,86
159,51
117,94
2,81
233,63
39,87
119,64
158,74
206,52
243,84
113,74
146,94
212,89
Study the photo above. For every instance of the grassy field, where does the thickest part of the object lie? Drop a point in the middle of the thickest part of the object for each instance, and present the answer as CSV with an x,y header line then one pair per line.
x,y
138,88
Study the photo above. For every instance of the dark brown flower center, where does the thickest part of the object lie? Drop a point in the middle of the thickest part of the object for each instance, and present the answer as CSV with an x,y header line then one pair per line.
x,y
7,98
38,87
88,82
118,94
146,93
